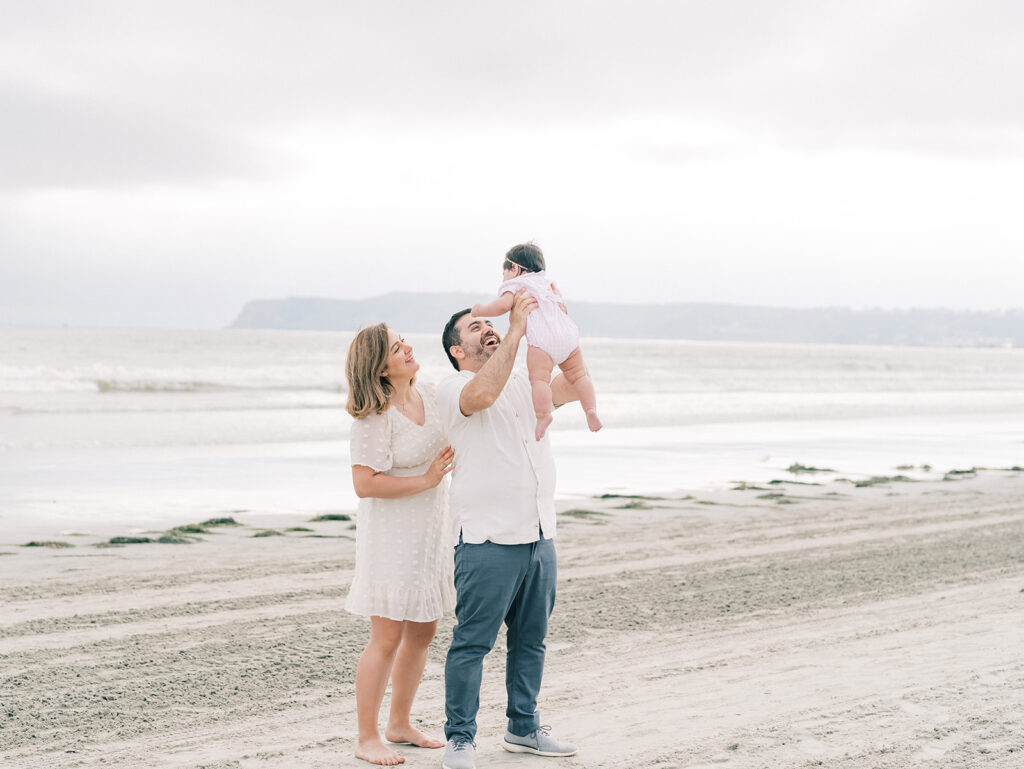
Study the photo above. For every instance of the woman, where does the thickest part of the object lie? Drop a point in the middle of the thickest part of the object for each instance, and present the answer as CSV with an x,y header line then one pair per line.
x,y
403,576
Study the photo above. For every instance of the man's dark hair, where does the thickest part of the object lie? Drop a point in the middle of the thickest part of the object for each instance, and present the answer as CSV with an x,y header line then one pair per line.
x,y
451,337
528,256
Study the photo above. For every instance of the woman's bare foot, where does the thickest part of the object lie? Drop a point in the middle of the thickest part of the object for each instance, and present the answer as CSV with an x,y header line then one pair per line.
x,y
376,752
592,421
412,736
543,423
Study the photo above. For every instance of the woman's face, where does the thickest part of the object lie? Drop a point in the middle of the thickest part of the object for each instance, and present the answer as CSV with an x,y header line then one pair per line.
x,y
401,363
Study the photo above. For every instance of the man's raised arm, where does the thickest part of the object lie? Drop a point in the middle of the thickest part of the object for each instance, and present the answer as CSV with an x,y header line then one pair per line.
x,y
485,387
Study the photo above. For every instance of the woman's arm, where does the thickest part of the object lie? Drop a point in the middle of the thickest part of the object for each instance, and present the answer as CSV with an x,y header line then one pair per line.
x,y
370,483
493,309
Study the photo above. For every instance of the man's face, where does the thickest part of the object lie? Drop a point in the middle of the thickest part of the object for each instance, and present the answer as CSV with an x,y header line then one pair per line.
x,y
479,341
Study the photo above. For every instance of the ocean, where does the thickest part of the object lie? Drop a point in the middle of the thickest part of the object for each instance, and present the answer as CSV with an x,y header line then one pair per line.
x,y
130,430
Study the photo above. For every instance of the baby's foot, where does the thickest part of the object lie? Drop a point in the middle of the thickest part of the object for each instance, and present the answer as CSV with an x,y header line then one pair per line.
x,y
412,736
376,752
542,425
592,421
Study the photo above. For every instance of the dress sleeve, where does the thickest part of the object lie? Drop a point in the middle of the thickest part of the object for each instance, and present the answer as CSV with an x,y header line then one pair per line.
x,y
511,286
370,442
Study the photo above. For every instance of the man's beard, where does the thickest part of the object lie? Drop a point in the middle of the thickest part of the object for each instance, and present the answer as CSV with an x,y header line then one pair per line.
x,y
480,353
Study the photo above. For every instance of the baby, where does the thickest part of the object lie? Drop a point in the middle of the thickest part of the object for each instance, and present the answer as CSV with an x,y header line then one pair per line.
x,y
551,335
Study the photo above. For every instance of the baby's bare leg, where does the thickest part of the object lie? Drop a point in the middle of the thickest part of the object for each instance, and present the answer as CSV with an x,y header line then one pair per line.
x,y
539,364
575,371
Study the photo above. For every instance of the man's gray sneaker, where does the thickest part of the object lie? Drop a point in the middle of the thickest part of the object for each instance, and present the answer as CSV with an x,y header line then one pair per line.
x,y
458,754
540,743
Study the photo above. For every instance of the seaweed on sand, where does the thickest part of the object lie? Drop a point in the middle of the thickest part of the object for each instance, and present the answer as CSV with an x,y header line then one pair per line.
x,y
47,543
172,537
630,496
268,533
331,517
957,475
796,468
877,480
189,528
226,521
635,503
176,536
585,514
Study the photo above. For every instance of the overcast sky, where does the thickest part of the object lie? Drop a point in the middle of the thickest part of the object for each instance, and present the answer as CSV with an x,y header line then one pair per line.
x,y
162,163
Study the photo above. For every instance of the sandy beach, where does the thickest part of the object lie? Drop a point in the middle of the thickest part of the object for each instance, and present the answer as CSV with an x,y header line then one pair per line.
x,y
786,625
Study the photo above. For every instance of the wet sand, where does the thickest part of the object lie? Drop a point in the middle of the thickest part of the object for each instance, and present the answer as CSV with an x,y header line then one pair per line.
x,y
835,626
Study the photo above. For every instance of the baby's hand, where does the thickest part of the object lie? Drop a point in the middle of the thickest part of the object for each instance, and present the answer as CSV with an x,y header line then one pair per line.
x,y
476,309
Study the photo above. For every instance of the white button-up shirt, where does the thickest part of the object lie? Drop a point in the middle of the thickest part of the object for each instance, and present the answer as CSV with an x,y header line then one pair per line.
x,y
503,484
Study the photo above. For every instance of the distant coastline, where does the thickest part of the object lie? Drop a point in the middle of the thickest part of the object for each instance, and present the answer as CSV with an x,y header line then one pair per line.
x,y
427,312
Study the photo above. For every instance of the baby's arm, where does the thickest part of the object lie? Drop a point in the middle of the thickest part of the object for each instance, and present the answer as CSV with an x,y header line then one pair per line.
x,y
499,306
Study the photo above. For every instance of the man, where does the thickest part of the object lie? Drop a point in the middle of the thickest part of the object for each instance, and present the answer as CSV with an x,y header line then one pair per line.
x,y
502,503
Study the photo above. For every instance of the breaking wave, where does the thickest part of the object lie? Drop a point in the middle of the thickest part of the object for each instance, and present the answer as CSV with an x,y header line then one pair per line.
x,y
116,386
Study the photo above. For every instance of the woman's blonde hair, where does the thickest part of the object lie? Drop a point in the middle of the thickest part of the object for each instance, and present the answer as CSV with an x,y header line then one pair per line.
x,y
369,391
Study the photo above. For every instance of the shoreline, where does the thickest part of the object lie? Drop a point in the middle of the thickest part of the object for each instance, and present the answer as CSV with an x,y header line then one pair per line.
x,y
156,499
858,626
780,486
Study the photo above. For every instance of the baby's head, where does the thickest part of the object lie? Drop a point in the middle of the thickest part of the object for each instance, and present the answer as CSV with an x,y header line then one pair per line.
x,y
526,257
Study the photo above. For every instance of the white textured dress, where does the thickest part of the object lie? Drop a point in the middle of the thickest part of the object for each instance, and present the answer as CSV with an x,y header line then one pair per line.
x,y
404,548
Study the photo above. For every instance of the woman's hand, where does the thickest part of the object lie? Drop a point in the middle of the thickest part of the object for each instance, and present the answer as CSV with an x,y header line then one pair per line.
x,y
440,467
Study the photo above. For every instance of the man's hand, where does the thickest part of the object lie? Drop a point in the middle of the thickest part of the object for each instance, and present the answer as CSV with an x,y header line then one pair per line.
x,y
562,392
561,299
522,305
485,387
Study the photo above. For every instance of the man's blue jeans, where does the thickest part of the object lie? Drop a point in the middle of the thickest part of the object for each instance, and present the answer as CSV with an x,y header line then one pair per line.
x,y
514,584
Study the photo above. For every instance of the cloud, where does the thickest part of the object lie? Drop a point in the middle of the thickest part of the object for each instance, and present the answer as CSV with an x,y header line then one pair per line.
x,y
805,74
262,148
54,139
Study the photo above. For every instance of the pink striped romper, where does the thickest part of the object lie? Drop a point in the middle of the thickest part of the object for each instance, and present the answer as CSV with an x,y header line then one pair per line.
x,y
547,327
